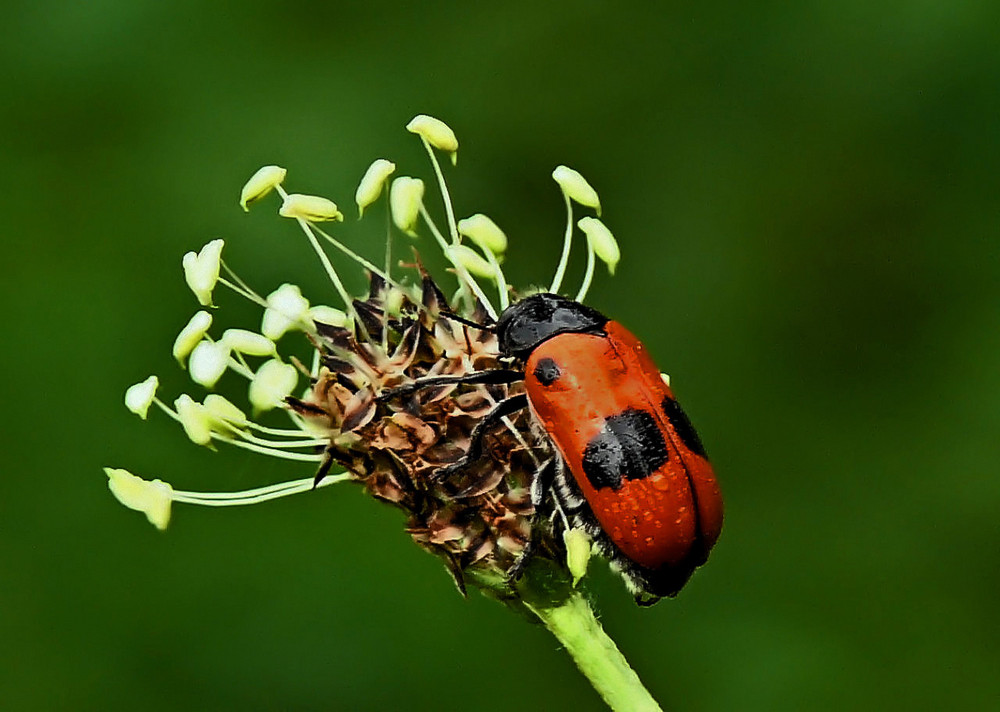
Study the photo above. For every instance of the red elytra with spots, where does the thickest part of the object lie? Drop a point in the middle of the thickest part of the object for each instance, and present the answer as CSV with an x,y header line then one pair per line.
x,y
641,480
654,520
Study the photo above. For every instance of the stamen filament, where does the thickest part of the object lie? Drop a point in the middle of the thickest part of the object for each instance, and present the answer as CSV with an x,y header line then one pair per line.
x,y
589,275
260,494
327,265
466,280
567,242
354,256
240,366
240,282
250,437
445,195
243,293
388,239
279,432
281,454
501,281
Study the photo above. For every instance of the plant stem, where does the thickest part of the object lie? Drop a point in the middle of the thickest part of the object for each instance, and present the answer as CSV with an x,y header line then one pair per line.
x,y
573,623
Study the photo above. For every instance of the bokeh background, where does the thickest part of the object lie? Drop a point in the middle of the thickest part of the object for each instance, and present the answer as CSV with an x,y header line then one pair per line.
x,y
807,199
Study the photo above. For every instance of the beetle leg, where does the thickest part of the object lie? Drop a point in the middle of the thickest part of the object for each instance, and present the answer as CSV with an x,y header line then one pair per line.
x,y
500,411
540,487
497,375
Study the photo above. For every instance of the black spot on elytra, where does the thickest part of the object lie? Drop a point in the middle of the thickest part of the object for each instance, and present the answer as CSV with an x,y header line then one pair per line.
x,y
682,426
547,371
630,446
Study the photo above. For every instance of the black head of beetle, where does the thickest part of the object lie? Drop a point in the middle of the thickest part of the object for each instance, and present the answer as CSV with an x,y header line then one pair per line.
x,y
527,323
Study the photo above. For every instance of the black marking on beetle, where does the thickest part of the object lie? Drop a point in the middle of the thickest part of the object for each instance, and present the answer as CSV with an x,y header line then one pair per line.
x,y
547,371
630,446
682,426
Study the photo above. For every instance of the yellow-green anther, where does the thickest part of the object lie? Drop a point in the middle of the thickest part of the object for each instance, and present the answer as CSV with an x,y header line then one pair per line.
x,y
475,263
601,241
151,498
484,232
578,550
224,413
201,270
405,197
191,335
286,310
248,342
273,382
194,419
372,183
394,301
260,184
140,396
436,132
208,362
576,187
328,315
312,208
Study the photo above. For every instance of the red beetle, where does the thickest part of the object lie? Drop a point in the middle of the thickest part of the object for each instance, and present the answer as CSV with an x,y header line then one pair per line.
x,y
639,479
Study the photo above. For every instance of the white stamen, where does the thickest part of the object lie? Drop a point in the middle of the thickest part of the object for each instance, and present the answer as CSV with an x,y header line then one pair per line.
x,y
208,362
372,183
435,132
191,335
140,396
312,208
201,270
274,382
260,184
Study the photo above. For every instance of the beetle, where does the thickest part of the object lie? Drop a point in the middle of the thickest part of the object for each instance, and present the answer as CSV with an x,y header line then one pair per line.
x,y
630,469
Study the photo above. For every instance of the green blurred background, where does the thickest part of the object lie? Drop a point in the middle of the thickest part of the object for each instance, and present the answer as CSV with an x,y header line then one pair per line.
x,y
806,196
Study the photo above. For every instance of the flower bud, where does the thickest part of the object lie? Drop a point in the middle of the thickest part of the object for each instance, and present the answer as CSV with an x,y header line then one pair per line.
x,y
224,414
405,197
578,550
260,184
328,315
484,232
286,309
140,396
151,498
312,208
273,382
601,241
372,183
194,419
201,270
436,132
576,187
208,362
248,342
475,263
191,334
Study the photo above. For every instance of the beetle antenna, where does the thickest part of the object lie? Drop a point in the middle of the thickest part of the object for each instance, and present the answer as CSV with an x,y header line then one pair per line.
x,y
467,322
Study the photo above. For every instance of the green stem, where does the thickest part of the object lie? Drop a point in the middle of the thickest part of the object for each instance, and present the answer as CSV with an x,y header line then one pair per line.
x,y
573,623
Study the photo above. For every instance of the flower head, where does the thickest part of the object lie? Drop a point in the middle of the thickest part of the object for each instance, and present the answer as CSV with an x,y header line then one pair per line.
x,y
363,416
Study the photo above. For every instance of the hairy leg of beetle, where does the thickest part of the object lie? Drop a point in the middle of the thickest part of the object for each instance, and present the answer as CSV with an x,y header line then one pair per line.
x,y
500,411
495,376
540,487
